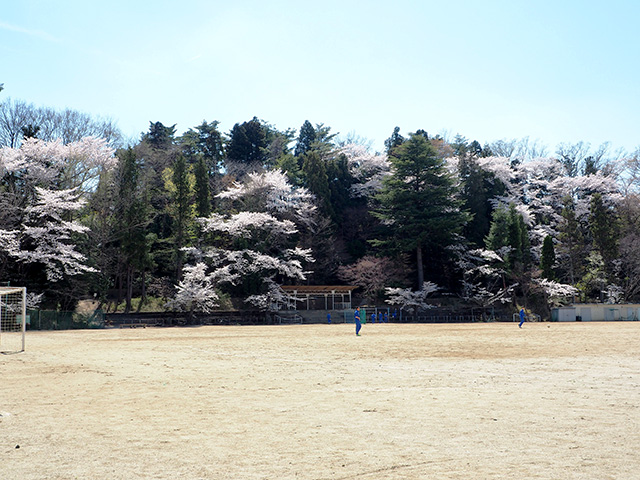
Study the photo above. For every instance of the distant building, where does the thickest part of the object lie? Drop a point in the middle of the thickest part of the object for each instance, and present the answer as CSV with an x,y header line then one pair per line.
x,y
596,312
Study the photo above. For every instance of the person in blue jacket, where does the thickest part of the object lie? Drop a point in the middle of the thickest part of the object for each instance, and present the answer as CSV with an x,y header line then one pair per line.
x,y
373,318
521,317
356,318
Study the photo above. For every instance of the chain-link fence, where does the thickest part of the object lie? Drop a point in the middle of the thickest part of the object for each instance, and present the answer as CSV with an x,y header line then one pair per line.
x,y
54,320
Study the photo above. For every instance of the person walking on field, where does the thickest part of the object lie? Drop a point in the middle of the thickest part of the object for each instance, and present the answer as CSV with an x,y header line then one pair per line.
x,y
356,317
521,317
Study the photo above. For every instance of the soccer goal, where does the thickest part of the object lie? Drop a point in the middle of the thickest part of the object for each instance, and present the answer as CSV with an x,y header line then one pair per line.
x,y
13,319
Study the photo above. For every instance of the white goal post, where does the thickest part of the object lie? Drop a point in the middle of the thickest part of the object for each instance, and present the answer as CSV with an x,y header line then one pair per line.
x,y
13,319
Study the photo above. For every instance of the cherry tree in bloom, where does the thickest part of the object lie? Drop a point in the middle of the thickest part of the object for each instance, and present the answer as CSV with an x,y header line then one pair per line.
x,y
557,293
271,191
75,165
44,184
196,292
537,188
46,238
372,274
367,168
484,281
256,245
411,300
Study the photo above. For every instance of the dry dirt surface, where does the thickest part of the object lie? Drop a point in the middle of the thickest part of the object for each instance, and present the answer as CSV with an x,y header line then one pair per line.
x,y
476,401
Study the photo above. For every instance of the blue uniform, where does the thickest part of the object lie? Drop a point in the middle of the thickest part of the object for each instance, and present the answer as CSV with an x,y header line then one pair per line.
x,y
521,317
356,318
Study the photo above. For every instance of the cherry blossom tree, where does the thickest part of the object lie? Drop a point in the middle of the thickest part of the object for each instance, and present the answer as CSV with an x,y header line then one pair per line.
x,y
47,238
196,291
372,274
541,189
557,293
255,248
485,280
367,169
45,185
412,300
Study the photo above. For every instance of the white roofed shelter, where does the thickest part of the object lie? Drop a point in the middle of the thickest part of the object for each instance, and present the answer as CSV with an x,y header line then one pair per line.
x,y
319,297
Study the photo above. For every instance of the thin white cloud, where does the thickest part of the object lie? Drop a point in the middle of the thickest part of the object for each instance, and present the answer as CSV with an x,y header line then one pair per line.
x,y
33,33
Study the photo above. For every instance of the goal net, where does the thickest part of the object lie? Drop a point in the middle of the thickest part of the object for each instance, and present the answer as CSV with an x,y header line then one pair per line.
x,y
13,319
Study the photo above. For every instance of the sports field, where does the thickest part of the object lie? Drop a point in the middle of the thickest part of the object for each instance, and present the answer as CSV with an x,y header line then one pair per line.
x,y
473,401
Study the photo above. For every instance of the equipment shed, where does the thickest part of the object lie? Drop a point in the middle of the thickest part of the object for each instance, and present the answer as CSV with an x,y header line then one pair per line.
x,y
318,297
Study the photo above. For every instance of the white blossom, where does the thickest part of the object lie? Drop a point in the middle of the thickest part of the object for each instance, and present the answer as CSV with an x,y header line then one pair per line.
x,y
49,238
556,292
367,168
408,299
242,224
195,292
9,242
275,194
33,300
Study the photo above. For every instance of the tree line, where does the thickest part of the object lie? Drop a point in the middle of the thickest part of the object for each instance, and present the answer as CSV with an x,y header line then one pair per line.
x,y
206,218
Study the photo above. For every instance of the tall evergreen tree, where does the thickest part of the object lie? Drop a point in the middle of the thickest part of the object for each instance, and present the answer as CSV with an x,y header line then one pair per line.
x,y
605,230
179,182
571,247
395,140
206,141
418,201
548,258
159,136
306,139
203,197
478,188
317,181
247,142
132,214
290,167
340,181
509,237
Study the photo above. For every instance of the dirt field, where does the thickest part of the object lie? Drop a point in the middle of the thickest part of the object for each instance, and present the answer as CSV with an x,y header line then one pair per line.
x,y
549,401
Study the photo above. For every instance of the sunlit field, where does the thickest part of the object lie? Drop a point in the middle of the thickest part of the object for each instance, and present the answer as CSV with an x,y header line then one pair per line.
x,y
471,401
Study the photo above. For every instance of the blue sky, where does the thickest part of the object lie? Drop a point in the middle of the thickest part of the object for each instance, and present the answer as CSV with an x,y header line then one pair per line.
x,y
554,71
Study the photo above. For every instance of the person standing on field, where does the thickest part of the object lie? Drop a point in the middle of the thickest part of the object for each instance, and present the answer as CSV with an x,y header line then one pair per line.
x,y
521,317
356,318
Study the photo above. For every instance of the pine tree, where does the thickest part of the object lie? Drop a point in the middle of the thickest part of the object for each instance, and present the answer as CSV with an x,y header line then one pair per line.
x,y
418,201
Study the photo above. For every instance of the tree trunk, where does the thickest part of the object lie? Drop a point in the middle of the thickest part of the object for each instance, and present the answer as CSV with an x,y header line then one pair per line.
x,y
143,294
129,289
420,266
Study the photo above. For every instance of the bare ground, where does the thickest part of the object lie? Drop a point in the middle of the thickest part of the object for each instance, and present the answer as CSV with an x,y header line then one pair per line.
x,y
549,401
